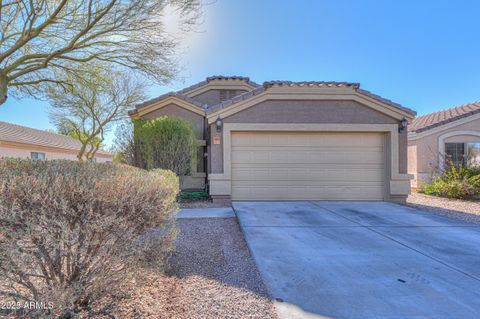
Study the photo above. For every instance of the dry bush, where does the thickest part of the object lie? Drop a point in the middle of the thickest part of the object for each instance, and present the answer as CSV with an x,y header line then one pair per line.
x,y
69,230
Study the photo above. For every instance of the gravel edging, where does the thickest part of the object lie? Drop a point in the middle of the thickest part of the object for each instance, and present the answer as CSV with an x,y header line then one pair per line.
x,y
212,275
468,211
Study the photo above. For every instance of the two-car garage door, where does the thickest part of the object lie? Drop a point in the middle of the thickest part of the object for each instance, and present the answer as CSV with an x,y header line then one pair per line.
x,y
301,165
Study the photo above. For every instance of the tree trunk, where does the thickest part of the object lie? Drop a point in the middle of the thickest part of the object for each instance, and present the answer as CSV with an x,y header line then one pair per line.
x,y
3,88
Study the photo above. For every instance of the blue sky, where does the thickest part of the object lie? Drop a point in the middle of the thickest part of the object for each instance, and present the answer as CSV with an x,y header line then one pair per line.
x,y
422,54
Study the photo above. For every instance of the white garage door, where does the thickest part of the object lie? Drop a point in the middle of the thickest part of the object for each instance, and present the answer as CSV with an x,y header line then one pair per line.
x,y
298,165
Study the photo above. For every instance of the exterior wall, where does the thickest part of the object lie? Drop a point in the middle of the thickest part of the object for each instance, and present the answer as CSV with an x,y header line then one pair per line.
x,y
23,151
427,149
212,97
180,112
412,162
345,112
291,112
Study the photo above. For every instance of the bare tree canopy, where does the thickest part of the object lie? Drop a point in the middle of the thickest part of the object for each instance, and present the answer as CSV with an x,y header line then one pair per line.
x,y
87,109
42,41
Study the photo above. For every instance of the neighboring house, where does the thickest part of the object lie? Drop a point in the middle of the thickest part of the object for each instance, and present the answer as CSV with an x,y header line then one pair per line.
x,y
448,135
26,142
293,140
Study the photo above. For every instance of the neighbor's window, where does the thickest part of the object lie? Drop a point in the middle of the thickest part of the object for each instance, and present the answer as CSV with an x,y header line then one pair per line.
x,y
473,153
37,156
462,153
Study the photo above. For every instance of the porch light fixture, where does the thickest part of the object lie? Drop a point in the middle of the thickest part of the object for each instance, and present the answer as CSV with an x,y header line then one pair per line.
x,y
219,123
403,125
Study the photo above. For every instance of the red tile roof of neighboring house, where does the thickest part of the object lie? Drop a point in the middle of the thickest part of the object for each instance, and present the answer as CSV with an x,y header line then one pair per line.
x,y
428,121
25,135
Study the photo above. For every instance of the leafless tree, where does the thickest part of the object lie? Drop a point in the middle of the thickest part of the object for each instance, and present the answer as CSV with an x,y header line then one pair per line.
x,y
87,109
42,41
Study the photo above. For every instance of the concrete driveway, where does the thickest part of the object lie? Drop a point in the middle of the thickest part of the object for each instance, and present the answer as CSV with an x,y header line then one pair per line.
x,y
363,260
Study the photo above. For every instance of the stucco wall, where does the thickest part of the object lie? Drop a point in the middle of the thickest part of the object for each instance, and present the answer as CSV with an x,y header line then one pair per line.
x,y
427,155
24,152
287,111
211,97
177,111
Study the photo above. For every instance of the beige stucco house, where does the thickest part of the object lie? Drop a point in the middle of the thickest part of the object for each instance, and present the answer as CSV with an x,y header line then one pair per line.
x,y
26,142
448,135
292,140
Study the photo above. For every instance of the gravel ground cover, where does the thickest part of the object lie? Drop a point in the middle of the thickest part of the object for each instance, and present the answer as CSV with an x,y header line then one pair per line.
x,y
212,276
200,204
454,208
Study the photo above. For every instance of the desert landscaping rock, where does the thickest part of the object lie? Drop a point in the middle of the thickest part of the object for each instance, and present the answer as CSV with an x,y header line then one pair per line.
x,y
460,209
212,276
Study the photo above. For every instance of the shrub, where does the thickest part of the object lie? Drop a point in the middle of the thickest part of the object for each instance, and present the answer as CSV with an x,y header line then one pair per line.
x,y
193,196
69,230
167,143
460,182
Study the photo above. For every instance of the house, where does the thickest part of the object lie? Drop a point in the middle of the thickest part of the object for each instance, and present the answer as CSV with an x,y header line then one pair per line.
x,y
292,140
26,142
437,138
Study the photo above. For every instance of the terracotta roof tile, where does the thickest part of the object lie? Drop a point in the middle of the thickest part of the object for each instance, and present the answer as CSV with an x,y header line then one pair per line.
x,y
21,134
428,121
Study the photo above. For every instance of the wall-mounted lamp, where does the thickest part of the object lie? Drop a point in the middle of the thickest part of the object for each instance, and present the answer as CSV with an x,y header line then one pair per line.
x,y
218,124
403,125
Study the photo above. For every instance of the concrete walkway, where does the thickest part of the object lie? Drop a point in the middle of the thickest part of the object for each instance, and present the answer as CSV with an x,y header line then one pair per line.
x,y
363,260
223,212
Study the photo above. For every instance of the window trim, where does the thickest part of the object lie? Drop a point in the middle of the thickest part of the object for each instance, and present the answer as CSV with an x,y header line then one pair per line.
x,y
465,145
38,153
441,144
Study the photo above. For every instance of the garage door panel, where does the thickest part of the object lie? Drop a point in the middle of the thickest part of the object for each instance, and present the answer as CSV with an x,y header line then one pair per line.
x,y
374,156
306,174
307,193
299,165
310,139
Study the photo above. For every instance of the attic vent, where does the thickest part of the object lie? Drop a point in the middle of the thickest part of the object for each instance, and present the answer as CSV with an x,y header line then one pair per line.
x,y
227,94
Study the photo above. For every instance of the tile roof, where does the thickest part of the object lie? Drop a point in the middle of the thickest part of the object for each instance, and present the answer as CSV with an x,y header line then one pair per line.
x,y
386,101
164,96
21,134
268,84
428,121
218,77
181,94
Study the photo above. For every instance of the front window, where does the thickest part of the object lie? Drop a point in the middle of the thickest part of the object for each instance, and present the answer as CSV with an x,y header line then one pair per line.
x,y
460,154
37,156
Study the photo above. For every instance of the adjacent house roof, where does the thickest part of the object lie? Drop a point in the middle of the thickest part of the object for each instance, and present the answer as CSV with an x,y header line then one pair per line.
x,y
25,135
429,121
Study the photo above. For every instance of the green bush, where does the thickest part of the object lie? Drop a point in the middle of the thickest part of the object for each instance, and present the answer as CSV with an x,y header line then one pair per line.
x,y
70,230
460,182
193,196
167,143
